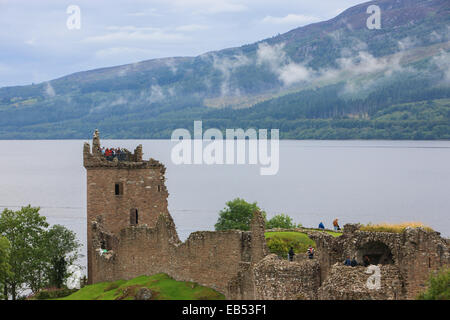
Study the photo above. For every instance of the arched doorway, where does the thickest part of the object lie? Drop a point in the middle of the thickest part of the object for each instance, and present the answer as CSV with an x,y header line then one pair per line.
x,y
376,251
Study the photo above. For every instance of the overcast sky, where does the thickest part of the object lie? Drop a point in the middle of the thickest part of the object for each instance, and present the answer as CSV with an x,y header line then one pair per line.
x,y
36,45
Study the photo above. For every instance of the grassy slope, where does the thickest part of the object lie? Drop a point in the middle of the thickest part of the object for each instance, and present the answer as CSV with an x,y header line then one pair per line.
x,y
163,287
298,240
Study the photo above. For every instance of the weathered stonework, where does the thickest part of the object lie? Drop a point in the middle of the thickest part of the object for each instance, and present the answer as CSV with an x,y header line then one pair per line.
x,y
121,248
277,279
350,283
415,253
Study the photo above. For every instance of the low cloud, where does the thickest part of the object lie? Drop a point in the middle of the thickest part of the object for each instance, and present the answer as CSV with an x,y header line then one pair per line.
x,y
274,55
279,63
407,43
442,61
49,90
227,66
293,73
170,62
156,94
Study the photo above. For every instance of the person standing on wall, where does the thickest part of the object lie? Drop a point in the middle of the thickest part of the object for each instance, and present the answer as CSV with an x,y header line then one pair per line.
x,y
336,225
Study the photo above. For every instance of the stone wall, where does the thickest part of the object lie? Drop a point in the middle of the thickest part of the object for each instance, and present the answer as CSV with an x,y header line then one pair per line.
x,y
416,252
350,283
209,258
277,279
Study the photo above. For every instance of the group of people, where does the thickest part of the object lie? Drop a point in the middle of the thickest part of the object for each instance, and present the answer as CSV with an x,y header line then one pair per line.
x,y
335,225
353,263
309,252
111,153
348,262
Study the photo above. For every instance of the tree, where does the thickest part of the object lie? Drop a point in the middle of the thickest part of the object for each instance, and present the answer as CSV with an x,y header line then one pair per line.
x,y
61,252
281,221
237,215
38,255
25,230
4,263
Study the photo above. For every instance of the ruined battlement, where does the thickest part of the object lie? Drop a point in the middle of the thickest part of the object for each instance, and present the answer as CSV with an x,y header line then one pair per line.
x,y
93,158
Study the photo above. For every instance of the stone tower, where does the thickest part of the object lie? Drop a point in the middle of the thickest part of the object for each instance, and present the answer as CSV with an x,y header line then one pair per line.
x,y
122,190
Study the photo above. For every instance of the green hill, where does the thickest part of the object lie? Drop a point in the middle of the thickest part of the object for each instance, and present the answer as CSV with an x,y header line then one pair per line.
x,y
162,286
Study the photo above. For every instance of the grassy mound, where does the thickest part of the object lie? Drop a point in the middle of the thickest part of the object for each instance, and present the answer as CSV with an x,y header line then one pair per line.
x,y
280,242
162,286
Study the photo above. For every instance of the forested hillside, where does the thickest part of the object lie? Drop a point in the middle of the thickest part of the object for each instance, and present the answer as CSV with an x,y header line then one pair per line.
x,y
331,80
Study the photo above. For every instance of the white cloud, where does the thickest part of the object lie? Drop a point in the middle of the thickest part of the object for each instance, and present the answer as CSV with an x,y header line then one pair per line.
x,y
31,42
152,12
210,6
291,19
191,27
120,51
132,33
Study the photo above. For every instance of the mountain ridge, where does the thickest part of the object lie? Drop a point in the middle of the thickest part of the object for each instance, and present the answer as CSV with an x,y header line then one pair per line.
x,y
411,47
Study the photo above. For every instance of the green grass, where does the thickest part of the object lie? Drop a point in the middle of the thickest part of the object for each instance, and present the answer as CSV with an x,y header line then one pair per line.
x,y
291,236
279,242
393,227
333,233
163,287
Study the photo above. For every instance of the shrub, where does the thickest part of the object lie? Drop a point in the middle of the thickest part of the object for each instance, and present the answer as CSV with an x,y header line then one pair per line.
x,y
278,246
53,293
438,286
237,215
281,221
280,242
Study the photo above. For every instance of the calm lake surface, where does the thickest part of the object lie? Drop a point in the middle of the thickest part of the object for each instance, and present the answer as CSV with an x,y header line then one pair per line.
x,y
355,181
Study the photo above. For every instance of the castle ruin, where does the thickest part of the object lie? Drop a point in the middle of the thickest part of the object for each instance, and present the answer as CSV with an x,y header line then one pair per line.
x,y
130,232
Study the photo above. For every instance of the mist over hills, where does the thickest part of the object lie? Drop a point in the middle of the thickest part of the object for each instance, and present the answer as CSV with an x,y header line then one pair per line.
x,y
330,80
